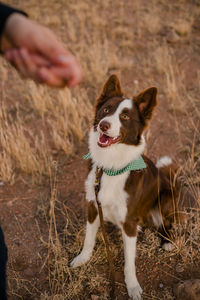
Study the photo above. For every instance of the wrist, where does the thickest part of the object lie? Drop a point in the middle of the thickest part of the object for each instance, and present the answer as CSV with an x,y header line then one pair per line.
x,y
10,32
10,24
13,24
6,12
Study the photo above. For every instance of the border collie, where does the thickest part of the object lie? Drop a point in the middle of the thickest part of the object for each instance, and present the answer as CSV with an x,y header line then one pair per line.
x,y
133,190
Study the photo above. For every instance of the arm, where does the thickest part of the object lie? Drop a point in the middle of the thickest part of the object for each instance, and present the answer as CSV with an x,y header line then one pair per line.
x,y
36,52
5,12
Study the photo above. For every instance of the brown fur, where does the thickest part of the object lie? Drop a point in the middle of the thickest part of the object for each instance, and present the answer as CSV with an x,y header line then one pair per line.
x,y
92,212
111,89
149,189
143,105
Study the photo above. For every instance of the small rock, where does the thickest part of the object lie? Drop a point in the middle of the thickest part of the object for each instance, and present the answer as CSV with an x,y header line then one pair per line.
x,y
168,246
161,285
172,37
136,81
187,290
2,183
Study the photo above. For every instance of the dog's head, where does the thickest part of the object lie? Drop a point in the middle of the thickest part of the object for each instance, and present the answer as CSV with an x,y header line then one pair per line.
x,y
116,136
122,120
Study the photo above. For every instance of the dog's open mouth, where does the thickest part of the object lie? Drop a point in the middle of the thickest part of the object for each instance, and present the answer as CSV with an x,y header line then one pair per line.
x,y
106,141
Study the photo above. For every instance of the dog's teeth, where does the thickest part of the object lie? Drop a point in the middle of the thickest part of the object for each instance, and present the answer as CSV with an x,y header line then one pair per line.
x,y
103,143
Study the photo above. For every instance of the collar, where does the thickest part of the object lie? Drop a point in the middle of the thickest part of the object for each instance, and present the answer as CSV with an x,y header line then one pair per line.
x,y
134,165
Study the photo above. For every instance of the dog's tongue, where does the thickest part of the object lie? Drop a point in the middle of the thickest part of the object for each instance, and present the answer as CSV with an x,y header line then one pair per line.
x,y
104,139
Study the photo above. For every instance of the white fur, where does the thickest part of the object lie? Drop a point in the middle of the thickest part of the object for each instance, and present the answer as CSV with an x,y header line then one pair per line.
x,y
114,120
163,161
113,201
156,217
133,287
113,198
116,156
112,195
89,185
84,256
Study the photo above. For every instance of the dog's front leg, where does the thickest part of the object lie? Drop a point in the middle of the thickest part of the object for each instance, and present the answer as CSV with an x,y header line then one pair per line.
x,y
133,287
90,237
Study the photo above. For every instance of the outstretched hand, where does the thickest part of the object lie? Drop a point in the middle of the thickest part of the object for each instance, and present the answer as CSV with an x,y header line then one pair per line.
x,y
36,53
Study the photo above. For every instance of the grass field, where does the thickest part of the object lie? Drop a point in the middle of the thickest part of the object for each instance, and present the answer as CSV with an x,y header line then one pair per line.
x,y
44,135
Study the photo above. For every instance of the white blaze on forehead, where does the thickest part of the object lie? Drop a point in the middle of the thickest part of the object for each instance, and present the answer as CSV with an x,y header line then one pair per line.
x,y
126,103
114,120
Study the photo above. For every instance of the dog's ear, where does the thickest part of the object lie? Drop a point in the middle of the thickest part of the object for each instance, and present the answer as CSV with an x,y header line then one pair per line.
x,y
111,89
146,101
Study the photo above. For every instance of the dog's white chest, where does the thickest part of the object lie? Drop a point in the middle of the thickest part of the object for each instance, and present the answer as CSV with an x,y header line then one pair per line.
x,y
112,196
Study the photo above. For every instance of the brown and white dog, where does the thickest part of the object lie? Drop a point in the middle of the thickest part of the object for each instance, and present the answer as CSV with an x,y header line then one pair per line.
x,y
132,198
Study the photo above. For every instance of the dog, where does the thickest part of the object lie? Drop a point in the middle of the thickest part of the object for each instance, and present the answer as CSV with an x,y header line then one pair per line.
x,y
133,190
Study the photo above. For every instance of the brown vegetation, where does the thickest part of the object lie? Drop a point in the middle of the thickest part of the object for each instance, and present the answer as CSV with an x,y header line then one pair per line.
x,y
43,136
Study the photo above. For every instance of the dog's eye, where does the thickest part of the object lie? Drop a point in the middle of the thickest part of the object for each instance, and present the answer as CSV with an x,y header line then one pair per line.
x,y
106,110
125,117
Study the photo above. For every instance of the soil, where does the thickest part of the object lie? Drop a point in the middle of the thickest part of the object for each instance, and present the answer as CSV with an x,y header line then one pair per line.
x,y
24,205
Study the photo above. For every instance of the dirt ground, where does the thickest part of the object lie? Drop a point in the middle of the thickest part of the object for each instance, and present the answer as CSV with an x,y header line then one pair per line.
x,y
44,221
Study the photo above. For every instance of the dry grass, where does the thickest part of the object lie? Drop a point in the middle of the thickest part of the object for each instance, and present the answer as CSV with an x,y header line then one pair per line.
x,y
37,122
39,125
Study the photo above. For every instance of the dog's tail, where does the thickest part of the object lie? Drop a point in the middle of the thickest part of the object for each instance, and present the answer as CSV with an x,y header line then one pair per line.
x,y
163,162
186,197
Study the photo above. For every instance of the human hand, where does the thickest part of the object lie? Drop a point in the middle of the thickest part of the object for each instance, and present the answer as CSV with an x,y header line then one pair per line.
x,y
36,53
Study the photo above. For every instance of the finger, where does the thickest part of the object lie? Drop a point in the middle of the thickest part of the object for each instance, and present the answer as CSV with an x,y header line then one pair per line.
x,y
31,67
15,59
40,60
51,48
47,44
8,55
76,76
61,72
76,72
48,77
71,73
70,62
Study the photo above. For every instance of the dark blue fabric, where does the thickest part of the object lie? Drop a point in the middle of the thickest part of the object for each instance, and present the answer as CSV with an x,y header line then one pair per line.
x,y
3,261
5,12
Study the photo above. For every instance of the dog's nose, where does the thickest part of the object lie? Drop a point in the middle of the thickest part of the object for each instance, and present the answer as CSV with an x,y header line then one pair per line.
x,y
104,126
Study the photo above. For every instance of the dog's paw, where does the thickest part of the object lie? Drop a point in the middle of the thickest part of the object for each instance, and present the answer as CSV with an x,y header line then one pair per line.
x,y
168,246
79,260
135,292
